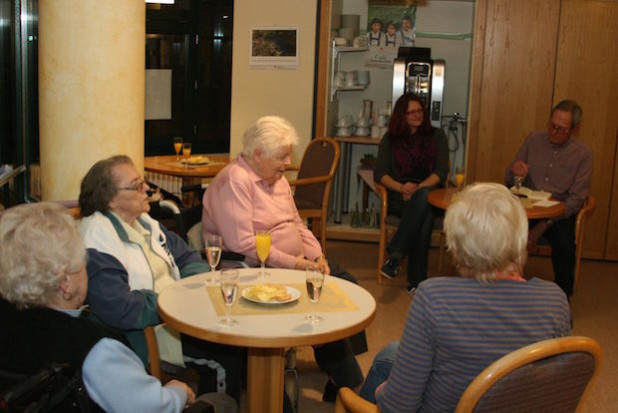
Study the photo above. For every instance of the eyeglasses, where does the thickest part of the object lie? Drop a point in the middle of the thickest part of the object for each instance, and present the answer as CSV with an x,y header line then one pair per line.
x,y
139,186
557,129
414,112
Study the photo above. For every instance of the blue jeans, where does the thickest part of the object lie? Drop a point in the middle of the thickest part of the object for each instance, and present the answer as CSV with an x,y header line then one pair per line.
x,y
379,371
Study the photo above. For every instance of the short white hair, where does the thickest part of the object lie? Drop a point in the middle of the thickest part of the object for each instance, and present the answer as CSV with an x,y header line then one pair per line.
x,y
486,231
269,134
39,244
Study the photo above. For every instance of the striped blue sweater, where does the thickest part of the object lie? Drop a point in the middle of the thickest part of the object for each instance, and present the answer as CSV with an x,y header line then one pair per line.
x,y
456,327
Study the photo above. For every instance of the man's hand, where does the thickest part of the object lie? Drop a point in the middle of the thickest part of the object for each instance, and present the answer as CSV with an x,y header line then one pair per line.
x,y
535,233
520,168
181,385
408,189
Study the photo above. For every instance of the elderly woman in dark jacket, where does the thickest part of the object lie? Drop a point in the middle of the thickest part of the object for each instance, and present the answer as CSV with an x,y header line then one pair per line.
x,y
412,160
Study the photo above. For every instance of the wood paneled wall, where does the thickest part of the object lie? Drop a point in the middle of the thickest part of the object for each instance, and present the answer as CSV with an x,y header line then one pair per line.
x,y
586,70
515,76
529,55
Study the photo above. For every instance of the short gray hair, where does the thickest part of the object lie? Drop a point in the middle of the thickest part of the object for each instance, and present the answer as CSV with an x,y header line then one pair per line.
x,y
572,107
486,231
269,134
40,244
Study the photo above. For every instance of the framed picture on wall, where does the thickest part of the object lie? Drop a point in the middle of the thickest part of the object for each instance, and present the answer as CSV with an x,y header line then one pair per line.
x,y
274,47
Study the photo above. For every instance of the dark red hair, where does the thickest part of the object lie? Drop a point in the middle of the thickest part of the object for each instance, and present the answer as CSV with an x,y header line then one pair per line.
x,y
398,126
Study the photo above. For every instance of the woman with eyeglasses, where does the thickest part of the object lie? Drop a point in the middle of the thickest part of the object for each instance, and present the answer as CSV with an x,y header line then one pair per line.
x,y
412,160
131,258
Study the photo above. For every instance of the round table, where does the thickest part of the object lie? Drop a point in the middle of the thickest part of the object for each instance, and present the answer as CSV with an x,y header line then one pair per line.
x,y
265,330
168,165
441,198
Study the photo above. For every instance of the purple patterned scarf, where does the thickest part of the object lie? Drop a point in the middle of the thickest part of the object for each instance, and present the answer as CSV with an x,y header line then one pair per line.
x,y
415,156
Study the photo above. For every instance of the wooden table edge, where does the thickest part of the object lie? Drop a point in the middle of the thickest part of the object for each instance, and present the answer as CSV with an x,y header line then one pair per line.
x,y
534,213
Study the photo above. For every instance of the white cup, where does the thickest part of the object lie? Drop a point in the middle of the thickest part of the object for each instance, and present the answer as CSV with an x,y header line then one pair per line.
x,y
381,120
344,122
344,132
350,79
375,132
362,131
339,79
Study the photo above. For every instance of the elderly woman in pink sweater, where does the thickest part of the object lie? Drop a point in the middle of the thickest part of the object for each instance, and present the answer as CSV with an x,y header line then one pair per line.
x,y
251,195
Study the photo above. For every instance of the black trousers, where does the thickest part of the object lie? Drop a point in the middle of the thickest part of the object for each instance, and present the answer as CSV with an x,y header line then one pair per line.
x,y
413,235
337,359
561,237
231,358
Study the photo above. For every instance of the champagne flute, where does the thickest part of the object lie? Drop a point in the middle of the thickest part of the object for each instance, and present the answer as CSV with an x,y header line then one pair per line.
x,y
262,245
229,291
213,254
460,177
177,147
186,152
314,279
518,181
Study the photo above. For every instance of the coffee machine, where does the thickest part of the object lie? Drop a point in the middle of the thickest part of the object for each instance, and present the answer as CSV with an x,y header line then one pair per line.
x,y
414,71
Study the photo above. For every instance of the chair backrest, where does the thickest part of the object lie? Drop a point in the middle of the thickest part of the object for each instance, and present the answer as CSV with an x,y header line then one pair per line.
x,y
319,161
54,388
549,376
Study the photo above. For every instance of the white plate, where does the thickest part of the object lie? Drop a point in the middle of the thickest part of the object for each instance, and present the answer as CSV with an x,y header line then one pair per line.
x,y
295,295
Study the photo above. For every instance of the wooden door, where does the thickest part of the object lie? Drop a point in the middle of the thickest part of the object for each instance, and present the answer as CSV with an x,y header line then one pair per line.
x,y
587,71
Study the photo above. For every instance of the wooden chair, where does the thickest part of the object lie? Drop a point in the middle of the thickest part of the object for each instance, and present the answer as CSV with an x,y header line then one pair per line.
x,y
545,249
348,401
153,352
551,375
313,182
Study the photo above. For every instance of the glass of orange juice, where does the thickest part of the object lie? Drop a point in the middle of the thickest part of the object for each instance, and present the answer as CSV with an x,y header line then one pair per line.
x,y
262,245
186,152
177,146
460,177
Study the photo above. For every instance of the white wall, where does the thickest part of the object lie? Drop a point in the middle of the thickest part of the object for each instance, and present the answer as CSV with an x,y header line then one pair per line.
x,y
283,92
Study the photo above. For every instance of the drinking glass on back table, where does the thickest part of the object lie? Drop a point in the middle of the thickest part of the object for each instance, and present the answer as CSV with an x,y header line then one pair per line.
x,y
213,254
177,146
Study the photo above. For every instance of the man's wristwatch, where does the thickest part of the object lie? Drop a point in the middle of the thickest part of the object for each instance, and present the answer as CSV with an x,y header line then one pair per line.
x,y
549,222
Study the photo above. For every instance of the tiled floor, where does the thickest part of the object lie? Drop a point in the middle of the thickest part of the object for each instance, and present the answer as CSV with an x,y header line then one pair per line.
x,y
594,311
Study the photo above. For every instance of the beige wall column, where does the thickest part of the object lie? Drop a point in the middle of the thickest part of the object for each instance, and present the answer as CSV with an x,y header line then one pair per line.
x,y
91,88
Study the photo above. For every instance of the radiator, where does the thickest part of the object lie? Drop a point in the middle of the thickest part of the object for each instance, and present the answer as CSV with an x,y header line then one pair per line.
x,y
169,183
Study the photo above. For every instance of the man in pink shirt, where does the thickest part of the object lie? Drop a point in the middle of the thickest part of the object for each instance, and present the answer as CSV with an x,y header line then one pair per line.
x,y
251,195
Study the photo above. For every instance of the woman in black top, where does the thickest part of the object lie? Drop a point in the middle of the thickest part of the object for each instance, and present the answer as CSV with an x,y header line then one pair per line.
x,y
412,160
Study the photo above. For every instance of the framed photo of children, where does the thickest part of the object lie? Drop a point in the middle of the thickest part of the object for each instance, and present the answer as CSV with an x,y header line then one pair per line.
x,y
274,47
390,24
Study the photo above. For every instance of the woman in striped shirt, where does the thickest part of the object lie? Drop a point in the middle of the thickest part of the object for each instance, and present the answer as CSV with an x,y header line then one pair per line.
x,y
457,326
